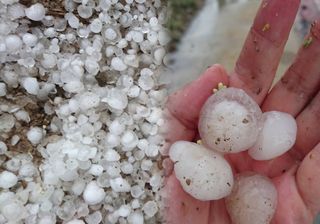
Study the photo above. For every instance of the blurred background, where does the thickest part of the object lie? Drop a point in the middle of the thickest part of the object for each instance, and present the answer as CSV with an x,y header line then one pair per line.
x,y
205,32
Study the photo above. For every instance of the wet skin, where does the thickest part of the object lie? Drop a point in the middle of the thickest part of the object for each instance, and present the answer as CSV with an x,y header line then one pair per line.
x,y
295,173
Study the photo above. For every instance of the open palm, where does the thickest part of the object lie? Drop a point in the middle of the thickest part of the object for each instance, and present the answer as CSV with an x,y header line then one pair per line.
x,y
295,174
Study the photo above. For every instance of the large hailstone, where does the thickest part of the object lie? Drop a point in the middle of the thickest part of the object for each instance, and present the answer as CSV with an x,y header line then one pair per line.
x,y
253,200
277,136
230,121
203,173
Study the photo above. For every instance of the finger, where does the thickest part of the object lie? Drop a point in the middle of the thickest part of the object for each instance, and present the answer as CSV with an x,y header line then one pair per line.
x,y
181,207
291,207
308,135
185,104
260,56
301,81
308,179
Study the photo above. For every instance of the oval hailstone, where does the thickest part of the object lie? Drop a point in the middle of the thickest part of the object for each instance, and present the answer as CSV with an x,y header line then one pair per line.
x,y
7,179
253,200
230,121
203,173
35,12
278,135
116,99
93,194
13,43
118,65
31,85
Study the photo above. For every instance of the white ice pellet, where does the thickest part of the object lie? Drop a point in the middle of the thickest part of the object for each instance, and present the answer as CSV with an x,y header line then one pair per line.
x,y
29,39
116,99
13,43
35,135
117,64
49,61
31,85
96,26
110,34
277,136
7,179
112,140
253,200
84,11
146,164
150,208
89,100
74,87
111,155
116,127
96,170
134,91
22,115
230,121
3,148
14,140
135,218
120,185
126,167
73,21
93,194
9,2
3,89
146,82
129,140
124,210
7,122
35,12
94,218
75,221
202,173
16,11
137,36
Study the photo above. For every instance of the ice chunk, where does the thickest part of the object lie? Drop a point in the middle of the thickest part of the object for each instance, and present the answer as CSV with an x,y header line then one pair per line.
x,y
35,135
93,194
253,200
135,218
230,121
202,173
29,39
3,89
116,99
117,64
120,185
13,43
7,179
35,12
150,208
278,135
31,85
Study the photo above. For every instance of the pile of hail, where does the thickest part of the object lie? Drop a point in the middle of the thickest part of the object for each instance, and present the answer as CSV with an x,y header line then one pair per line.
x,y
80,111
231,122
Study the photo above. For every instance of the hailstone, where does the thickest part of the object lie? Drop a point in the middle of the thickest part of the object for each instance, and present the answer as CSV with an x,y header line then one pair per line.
x,y
202,173
276,137
253,200
230,121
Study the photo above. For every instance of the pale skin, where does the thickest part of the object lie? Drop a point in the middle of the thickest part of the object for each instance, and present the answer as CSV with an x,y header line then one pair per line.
x,y
296,173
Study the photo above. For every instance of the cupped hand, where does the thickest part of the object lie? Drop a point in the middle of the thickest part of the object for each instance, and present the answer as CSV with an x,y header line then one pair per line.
x,y
295,174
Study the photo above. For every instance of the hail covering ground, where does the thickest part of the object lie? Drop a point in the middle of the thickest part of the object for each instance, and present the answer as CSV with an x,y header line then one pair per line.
x,y
80,112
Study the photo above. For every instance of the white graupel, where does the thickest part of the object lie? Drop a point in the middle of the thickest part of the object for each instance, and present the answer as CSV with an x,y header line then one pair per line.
x,y
202,173
253,200
230,121
278,135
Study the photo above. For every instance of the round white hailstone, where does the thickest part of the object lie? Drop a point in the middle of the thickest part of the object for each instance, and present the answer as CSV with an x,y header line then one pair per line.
x,y
159,53
278,135
146,165
49,61
203,173
16,11
230,121
150,208
78,187
116,127
96,26
120,185
146,82
84,11
13,43
126,167
135,218
163,37
29,39
35,135
73,21
7,179
94,218
36,12
116,99
153,21
22,115
93,194
112,155
96,170
137,36
253,200
76,221
135,203
134,91
3,148
27,170
7,122
14,140
89,100
31,85
152,37
73,87
129,139
118,65
112,140
3,89
124,210
13,211
110,34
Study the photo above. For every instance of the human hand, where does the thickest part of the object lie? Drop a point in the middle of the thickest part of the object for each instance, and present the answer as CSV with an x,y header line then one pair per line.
x,y
294,173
